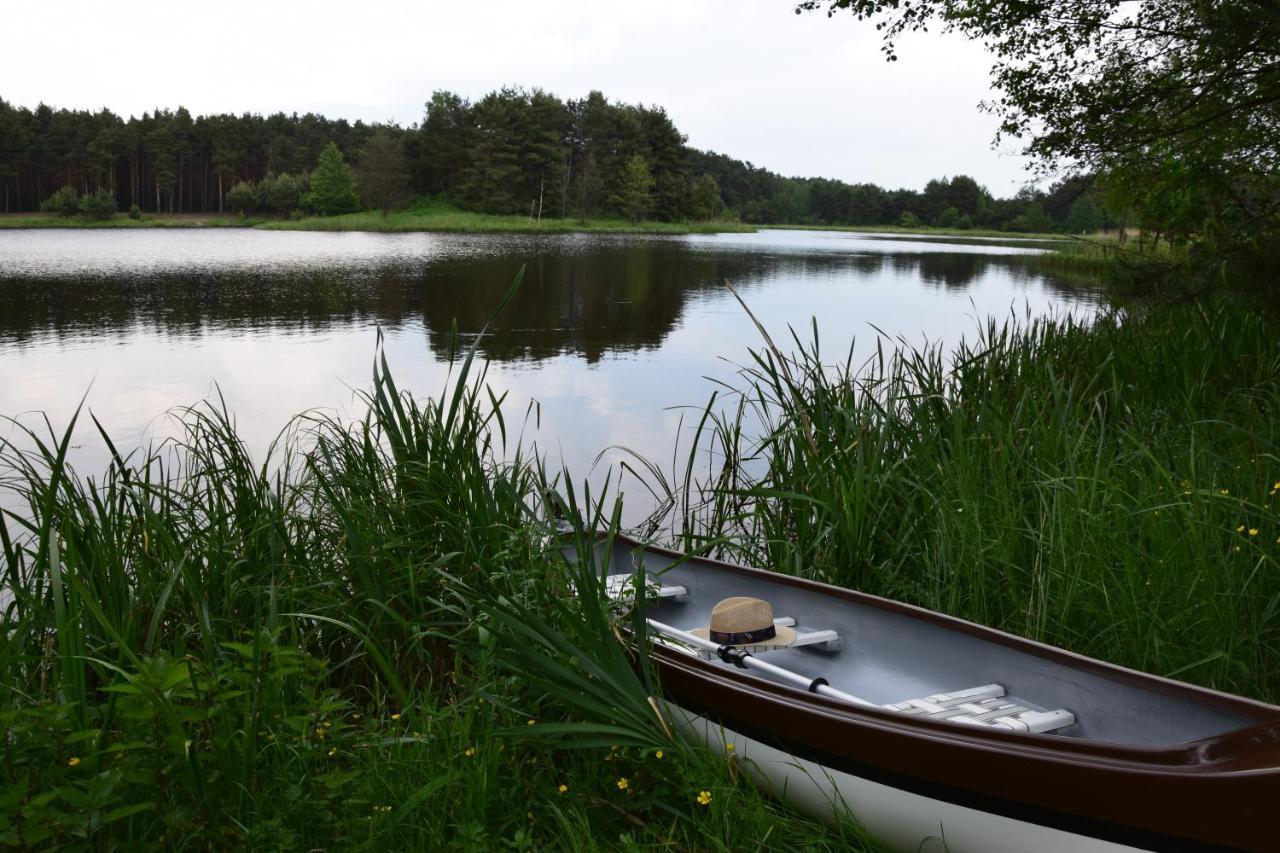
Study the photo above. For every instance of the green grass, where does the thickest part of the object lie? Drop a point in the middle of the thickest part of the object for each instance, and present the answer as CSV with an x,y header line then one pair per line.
x,y
926,231
443,217
1108,488
316,649
430,216
164,220
342,644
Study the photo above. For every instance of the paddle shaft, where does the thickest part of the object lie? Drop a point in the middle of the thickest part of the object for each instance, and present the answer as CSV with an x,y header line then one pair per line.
x,y
745,660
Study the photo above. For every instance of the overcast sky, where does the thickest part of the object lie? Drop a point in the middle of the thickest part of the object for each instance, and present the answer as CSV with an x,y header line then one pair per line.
x,y
798,94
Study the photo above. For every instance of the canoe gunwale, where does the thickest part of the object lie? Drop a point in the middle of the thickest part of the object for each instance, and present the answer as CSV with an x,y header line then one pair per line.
x,y
1215,792
1212,749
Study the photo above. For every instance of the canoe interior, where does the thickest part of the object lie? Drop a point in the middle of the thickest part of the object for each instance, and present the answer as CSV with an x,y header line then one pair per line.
x,y
891,656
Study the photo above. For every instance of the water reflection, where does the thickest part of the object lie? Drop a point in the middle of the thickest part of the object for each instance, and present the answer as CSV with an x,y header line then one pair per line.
x,y
619,298
610,335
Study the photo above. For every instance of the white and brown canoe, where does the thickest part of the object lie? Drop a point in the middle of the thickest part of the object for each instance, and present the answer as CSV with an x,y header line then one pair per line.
x,y
938,734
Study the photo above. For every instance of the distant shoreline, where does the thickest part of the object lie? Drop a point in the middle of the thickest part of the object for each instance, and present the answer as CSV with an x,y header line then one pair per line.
x,y
426,221
460,222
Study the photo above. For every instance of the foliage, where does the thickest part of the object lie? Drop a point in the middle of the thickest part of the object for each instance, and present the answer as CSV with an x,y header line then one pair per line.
x,y
512,152
634,195
333,185
135,212
98,205
384,174
243,198
64,202
707,203
280,194
1174,103
909,220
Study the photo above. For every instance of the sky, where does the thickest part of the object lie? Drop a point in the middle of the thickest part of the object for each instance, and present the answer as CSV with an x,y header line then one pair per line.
x,y
802,95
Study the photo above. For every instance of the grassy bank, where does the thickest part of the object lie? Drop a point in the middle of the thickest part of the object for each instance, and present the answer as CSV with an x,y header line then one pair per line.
x,y
343,644
18,221
1111,488
450,219
306,651
926,231
432,217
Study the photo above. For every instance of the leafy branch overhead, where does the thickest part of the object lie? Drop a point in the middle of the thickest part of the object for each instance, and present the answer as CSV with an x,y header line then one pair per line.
x,y
1179,95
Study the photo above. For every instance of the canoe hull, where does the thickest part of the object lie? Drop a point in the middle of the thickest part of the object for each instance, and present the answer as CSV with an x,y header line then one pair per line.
x,y
901,820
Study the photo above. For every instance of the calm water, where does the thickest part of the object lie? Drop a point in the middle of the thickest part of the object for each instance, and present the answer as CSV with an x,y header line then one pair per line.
x,y
610,335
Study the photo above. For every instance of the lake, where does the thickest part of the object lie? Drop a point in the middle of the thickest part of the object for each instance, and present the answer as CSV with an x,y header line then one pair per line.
x,y
612,338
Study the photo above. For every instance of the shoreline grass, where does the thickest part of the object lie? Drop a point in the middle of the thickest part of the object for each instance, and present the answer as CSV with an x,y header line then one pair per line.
x,y
330,645
1112,488
928,231
429,219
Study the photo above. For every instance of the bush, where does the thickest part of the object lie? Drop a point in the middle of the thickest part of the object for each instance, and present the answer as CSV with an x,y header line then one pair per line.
x,y
280,193
243,198
948,218
64,202
965,222
100,205
909,220
135,212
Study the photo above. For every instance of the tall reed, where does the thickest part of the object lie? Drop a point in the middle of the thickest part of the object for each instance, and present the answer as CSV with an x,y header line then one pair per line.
x,y
1109,486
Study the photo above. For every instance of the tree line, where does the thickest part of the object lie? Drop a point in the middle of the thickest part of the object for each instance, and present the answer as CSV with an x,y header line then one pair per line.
x,y
512,151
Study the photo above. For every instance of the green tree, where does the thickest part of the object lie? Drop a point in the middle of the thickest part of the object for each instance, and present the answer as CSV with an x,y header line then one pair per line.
x,y
1174,103
242,198
383,173
707,203
63,202
635,188
333,185
948,218
1084,216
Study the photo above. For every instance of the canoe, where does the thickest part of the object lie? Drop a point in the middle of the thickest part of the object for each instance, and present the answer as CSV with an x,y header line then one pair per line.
x,y
935,733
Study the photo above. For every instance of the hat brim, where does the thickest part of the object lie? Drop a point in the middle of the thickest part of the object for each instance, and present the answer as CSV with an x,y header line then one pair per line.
x,y
783,638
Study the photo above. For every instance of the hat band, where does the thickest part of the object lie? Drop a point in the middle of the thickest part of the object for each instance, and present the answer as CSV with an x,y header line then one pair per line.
x,y
742,638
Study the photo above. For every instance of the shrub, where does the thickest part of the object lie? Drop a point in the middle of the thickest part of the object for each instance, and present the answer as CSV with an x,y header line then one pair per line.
x,y
98,205
135,212
243,198
909,220
279,194
948,218
63,202
965,222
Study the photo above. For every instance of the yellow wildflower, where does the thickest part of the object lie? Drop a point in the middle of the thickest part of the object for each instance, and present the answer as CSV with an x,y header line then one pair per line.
x,y
395,717
1253,531
333,752
1240,529
355,716
531,722
1224,492
623,784
328,725
658,754
704,798
564,789
471,750
728,747
73,761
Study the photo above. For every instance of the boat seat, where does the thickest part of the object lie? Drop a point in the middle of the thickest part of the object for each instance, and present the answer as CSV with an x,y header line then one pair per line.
x,y
984,706
619,588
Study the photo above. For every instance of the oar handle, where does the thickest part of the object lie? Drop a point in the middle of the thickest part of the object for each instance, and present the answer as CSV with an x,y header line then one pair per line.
x,y
745,660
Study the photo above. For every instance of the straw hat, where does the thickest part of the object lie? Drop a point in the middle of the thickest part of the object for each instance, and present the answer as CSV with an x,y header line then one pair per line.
x,y
743,621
